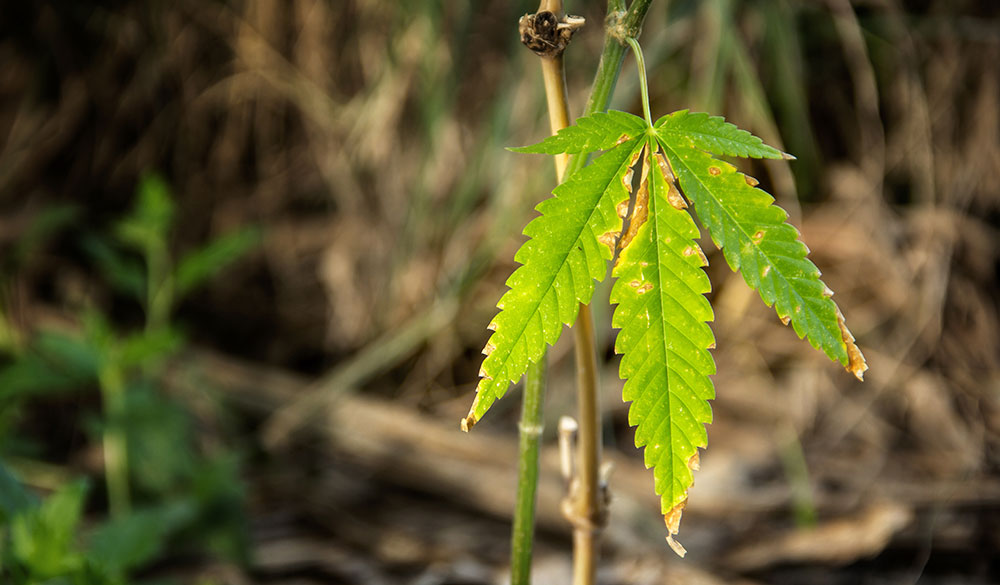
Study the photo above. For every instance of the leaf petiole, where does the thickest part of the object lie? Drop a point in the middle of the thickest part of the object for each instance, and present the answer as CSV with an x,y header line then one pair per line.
x,y
641,64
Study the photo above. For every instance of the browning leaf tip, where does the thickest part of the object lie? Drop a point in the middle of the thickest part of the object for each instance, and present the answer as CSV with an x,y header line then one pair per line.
x,y
673,521
676,546
468,422
856,363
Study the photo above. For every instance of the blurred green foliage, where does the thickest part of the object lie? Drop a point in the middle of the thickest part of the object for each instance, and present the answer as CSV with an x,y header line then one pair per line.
x,y
185,497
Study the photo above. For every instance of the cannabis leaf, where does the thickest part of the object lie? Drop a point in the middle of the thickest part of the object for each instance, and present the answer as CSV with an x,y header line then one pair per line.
x,y
752,232
664,337
661,312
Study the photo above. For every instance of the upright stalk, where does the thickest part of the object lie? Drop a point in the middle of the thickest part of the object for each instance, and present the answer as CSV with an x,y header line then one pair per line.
x,y
112,384
588,502
530,428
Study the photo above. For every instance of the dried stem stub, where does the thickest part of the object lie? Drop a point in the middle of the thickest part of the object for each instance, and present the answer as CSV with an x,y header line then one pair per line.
x,y
545,34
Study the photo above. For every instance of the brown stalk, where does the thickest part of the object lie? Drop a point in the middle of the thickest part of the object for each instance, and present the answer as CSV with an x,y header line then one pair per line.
x,y
585,506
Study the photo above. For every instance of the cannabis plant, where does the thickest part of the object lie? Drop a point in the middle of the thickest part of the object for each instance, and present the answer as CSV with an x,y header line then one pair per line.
x,y
650,237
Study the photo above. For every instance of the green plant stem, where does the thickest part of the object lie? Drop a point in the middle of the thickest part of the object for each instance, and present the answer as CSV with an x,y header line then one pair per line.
x,y
522,536
112,383
159,292
620,25
641,65
588,504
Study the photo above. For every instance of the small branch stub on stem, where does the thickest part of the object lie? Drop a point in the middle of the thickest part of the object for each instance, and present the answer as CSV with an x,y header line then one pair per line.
x,y
547,35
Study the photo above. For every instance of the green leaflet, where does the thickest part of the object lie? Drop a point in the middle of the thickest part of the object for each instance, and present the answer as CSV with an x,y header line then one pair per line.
x,y
664,339
752,232
568,248
600,131
713,134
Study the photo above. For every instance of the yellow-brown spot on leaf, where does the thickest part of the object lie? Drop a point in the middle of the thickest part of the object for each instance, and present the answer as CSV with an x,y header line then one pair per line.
x,y
785,319
640,211
622,209
627,177
635,284
609,239
644,288
856,363
668,173
694,462
492,326
714,171
758,237
696,250
622,139
765,271
675,199
701,256
751,181
490,346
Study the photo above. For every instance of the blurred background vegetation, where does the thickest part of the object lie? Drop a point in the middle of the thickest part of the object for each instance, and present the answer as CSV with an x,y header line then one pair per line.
x,y
248,250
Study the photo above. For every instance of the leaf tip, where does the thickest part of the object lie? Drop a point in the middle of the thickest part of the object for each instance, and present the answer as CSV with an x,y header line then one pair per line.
x,y
786,156
469,421
856,363
676,546
673,521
